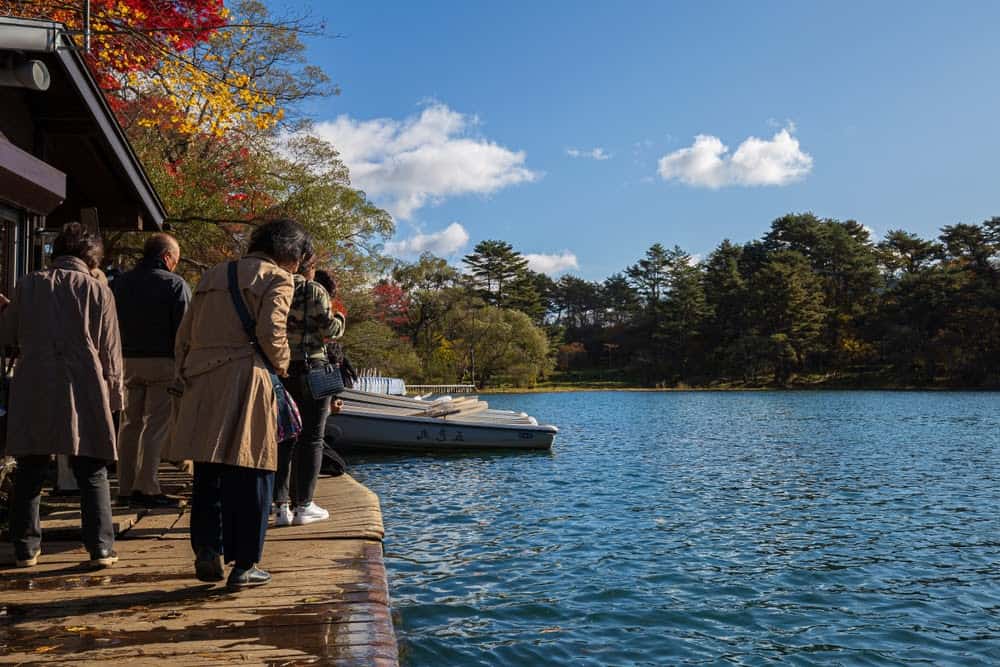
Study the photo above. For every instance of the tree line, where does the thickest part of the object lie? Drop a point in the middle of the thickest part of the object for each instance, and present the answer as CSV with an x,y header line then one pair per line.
x,y
815,300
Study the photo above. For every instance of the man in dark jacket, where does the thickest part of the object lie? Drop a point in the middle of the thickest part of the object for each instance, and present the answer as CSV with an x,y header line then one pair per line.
x,y
151,300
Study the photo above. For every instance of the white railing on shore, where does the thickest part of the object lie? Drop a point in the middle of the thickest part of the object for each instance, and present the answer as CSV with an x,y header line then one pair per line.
x,y
375,384
441,389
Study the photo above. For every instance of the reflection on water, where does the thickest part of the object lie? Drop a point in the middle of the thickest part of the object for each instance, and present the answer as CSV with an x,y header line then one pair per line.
x,y
694,528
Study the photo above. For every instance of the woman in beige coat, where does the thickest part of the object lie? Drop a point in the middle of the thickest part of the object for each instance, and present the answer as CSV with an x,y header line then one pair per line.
x,y
227,415
67,382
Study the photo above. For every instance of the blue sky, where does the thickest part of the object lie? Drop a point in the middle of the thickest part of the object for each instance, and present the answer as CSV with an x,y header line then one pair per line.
x,y
461,117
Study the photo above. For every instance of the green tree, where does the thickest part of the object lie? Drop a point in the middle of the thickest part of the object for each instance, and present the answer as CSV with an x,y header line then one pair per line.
x,y
523,295
726,307
841,254
500,345
649,274
494,266
372,344
901,252
577,301
685,314
432,287
788,310
620,301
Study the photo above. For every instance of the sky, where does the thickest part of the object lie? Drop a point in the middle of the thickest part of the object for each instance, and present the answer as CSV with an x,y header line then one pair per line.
x,y
584,132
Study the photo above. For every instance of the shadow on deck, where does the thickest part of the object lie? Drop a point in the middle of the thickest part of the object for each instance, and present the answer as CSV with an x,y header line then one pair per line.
x,y
328,603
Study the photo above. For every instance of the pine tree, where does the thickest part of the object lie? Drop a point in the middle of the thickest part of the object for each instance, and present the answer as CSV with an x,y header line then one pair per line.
x,y
789,311
495,265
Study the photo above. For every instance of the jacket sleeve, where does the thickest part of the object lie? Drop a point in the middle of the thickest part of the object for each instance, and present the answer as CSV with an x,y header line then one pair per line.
x,y
10,320
272,321
110,351
339,326
321,312
182,343
181,301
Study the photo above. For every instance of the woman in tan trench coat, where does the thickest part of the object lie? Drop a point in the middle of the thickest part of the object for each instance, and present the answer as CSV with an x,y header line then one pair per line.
x,y
227,415
67,382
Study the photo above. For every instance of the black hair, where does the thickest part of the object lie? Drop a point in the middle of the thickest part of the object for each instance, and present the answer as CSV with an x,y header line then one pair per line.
x,y
309,259
324,278
75,241
158,245
285,241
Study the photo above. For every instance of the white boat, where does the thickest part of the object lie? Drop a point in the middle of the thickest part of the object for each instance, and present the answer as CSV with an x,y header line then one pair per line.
x,y
368,421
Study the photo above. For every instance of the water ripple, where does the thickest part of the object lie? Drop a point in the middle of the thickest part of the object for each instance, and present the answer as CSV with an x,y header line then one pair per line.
x,y
694,528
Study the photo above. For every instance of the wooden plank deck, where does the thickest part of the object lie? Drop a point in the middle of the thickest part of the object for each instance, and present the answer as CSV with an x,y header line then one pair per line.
x,y
327,604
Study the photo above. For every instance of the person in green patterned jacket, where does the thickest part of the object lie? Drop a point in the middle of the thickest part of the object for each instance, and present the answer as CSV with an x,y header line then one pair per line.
x,y
312,322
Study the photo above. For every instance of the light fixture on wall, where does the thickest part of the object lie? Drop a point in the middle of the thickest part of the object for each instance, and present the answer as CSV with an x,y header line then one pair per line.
x,y
30,74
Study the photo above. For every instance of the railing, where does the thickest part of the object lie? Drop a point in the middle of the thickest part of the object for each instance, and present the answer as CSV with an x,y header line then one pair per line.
x,y
381,385
440,388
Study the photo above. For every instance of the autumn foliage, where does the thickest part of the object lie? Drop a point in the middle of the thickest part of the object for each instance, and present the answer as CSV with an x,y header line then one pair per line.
x,y
130,36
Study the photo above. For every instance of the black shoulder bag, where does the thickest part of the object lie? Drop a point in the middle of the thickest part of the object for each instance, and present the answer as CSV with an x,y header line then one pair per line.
x,y
289,419
324,380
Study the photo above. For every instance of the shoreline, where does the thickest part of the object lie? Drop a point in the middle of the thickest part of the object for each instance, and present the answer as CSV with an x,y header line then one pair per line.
x,y
565,389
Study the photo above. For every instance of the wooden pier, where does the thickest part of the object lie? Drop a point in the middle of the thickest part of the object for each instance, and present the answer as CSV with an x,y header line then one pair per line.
x,y
328,603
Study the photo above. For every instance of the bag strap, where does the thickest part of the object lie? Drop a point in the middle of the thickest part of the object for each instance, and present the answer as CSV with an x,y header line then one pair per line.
x,y
249,326
305,320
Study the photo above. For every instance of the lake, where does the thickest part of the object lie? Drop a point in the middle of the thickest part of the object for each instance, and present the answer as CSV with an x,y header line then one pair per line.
x,y
706,528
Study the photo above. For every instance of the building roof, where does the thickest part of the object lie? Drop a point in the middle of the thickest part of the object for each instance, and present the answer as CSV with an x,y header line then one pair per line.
x,y
71,127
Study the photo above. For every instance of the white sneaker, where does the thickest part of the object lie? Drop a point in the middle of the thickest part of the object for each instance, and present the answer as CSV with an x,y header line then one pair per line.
x,y
309,514
283,515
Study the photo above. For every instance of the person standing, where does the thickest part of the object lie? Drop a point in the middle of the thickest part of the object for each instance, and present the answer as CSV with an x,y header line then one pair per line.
x,y
227,420
311,323
151,301
66,385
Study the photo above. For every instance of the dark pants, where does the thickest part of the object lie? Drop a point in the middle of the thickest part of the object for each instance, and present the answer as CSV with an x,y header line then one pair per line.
x,y
229,510
304,454
95,503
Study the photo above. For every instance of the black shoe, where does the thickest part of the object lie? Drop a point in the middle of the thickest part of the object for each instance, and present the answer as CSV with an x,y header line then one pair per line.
x,y
240,578
208,566
103,558
159,501
29,560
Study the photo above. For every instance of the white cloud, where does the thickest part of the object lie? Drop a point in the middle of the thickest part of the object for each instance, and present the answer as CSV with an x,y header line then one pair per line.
x,y
593,154
443,243
405,165
553,264
708,163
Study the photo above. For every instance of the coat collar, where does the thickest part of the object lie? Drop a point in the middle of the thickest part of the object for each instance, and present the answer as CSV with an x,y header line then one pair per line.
x,y
263,257
151,264
70,263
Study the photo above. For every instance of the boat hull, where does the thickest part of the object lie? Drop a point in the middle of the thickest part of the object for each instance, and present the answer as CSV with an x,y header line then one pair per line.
x,y
357,432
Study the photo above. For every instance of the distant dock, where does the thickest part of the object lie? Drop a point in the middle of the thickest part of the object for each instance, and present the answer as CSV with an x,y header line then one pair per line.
x,y
328,603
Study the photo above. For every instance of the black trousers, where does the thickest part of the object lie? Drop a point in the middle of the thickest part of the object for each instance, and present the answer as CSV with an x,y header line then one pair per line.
x,y
229,511
95,503
299,460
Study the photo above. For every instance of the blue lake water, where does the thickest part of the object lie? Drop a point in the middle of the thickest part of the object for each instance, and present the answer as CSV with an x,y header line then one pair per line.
x,y
706,528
